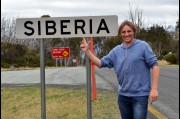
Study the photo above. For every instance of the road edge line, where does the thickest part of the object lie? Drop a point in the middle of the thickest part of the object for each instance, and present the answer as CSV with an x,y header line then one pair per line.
x,y
156,113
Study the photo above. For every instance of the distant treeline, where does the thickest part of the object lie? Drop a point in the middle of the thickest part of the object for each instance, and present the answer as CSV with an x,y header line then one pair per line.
x,y
26,52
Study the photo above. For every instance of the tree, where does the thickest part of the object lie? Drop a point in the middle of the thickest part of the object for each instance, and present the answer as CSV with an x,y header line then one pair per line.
x,y
136,17
177,38
159,39
109,44
7,29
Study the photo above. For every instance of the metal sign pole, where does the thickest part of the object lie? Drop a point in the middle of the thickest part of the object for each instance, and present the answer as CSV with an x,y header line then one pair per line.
x,y
88,76
56,62
42,71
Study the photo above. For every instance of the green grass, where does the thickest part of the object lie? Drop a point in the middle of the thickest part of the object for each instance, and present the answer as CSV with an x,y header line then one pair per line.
x,y
61,103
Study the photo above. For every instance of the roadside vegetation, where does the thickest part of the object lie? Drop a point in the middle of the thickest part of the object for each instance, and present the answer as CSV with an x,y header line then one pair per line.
x,y
61,103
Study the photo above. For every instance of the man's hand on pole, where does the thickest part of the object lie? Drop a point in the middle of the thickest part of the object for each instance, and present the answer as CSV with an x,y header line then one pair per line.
x,y
84,45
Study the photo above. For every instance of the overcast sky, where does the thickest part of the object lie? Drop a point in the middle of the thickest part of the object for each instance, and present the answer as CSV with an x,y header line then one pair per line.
x,y
154,11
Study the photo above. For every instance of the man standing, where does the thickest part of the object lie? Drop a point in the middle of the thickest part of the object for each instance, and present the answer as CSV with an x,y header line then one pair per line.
x,y
132,61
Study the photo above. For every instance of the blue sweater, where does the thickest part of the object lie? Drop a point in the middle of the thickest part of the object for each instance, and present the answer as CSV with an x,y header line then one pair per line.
x,y
132,65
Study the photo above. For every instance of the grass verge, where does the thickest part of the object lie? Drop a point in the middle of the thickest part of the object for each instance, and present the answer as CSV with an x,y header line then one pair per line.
x,y
61,103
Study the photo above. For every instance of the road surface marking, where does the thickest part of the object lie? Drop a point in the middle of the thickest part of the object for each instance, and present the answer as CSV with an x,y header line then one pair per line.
x,y
156,113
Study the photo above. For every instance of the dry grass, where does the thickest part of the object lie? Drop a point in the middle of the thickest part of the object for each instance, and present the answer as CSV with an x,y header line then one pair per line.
x,y
61,103
163,62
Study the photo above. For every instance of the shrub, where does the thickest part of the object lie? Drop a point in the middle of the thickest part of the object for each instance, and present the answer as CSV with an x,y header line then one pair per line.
x,y
171,58
5,65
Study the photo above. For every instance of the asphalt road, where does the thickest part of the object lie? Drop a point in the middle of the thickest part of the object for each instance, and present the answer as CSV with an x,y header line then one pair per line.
x,y
167,104
55,76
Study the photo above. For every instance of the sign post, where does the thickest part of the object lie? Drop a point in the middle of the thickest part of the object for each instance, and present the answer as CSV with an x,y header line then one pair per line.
x,y
42,71
42,75
58,27
88,80
93,70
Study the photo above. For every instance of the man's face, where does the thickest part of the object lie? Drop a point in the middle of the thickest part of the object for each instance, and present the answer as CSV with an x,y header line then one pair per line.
x,y
127,34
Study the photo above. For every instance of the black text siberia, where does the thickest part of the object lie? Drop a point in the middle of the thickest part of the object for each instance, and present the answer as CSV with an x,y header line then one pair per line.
x,y
51,27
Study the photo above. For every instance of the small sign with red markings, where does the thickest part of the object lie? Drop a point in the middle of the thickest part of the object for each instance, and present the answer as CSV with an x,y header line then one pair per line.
x,y
61,52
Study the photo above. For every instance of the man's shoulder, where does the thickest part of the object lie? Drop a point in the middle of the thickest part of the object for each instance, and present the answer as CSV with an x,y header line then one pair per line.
x,y
142,42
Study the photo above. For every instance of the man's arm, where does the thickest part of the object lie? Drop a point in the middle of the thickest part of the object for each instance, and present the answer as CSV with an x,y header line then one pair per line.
x,y
85,47
155,78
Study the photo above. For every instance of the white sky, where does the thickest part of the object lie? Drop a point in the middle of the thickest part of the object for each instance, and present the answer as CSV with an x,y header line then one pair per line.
x,y
154,11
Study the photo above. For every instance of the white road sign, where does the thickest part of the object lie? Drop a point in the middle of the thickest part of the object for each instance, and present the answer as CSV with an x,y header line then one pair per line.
x,y
57,27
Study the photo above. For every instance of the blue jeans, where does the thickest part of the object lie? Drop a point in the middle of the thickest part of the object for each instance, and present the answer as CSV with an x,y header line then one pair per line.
x,y
133,107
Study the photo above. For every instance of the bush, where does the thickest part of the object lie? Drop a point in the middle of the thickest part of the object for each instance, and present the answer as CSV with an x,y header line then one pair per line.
x,y
171,58
5,65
